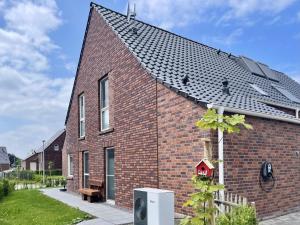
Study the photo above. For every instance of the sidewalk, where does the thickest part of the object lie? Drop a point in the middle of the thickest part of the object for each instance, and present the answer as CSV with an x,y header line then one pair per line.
x,y
106,214
289,219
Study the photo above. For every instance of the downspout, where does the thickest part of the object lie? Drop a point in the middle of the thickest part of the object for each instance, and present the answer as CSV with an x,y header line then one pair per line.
x,y
221,153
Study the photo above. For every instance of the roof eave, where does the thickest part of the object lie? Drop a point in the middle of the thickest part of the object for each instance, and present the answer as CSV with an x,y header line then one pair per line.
x,y
255,114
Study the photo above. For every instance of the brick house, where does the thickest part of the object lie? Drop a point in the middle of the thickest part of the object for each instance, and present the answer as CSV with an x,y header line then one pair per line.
x,y
137,94
53,152
4,160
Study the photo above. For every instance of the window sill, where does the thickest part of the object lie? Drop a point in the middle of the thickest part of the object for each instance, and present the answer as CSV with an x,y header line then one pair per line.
x,y
106,131
70,178
81,138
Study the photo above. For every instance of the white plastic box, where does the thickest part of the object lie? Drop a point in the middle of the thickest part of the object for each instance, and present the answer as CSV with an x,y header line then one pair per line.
x,y
153,206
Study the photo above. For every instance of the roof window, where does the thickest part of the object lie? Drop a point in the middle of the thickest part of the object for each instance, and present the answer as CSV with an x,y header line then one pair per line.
x,y
287,94
258,89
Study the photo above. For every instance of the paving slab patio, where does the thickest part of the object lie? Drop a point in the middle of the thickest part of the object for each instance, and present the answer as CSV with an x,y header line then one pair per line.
x,y
105,213
289,219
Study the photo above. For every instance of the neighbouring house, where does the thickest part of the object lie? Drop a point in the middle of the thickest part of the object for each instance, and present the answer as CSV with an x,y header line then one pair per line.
x,y
53,153
137,94
4,160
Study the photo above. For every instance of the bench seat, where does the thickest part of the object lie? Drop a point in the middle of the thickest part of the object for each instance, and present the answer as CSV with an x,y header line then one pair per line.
x,y
90,194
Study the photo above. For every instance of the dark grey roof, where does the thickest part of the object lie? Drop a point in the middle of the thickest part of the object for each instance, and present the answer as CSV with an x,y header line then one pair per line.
x,y
169,58
3,156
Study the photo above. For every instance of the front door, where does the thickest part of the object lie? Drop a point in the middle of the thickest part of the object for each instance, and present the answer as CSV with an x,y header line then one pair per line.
x,y
110,175
86,173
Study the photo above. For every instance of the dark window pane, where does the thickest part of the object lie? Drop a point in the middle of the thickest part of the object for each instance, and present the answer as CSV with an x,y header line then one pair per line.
x,y
86,162
105,119
111,187
71,165
110,162
104,93
86,181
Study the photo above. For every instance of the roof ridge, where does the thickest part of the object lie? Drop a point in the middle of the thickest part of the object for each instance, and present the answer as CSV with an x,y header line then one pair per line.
x,y
93,4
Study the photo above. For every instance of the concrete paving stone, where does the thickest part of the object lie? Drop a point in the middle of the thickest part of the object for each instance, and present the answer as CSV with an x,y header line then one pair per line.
x,y
289,219
95,222
106,214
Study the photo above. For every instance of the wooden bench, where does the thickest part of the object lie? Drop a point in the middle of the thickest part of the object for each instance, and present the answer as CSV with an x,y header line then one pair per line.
x,y
90,194
94,192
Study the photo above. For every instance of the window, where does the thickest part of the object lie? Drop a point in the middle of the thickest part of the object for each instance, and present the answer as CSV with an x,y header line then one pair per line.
x,y
258,89
70,165
56,147
287,94
86,173
81,116
104,104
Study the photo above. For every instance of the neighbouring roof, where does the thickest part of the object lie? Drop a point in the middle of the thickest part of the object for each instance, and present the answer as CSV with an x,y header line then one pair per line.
x,y
47,143
170,59
4,159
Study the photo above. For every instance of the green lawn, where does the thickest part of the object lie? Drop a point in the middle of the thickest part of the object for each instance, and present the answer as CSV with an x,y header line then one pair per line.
x,y
31,207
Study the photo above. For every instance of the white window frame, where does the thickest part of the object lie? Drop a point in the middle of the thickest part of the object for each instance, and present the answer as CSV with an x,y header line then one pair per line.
x,y
69,166
81,116
104,109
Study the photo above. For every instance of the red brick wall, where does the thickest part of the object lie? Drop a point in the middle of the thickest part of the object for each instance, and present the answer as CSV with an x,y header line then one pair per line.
x,y
33,158
132,115
276,142
179,143
50,155
4,167
55,156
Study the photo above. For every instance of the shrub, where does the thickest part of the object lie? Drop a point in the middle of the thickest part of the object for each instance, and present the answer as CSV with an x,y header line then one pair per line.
x,y
6,187
1,190
243,215
63,182
49,182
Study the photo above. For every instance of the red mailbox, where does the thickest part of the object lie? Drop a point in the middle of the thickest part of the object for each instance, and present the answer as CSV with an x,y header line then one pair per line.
x,y
205,168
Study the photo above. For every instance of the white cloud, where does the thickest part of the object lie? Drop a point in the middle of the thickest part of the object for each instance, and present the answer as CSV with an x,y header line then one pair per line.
x,y
225,40
171,13
27,93
71,66
2,4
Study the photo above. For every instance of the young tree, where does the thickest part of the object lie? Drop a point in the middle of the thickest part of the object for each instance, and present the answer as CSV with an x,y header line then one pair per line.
x,y
50,166
202,201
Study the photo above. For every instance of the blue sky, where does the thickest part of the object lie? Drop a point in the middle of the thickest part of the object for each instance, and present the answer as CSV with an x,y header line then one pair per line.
x,y
40,42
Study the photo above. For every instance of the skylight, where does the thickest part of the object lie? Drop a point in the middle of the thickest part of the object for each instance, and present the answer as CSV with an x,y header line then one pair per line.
x,y
258,89
287,94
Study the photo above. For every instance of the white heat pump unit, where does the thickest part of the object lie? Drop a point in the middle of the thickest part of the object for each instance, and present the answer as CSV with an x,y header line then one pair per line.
x,y
153,207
